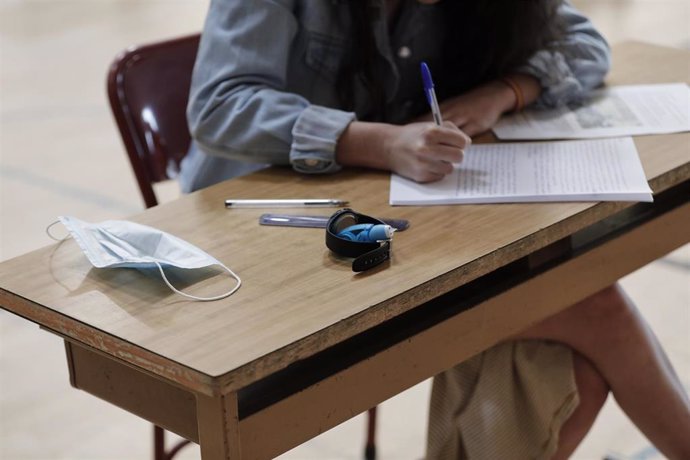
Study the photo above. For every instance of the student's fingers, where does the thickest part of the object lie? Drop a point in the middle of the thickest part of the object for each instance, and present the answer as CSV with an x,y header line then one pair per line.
x,y
436,168
427,168
448,134
429,177
445,153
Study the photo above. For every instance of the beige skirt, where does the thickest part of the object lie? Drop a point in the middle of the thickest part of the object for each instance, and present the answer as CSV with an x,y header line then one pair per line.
x,y
508,402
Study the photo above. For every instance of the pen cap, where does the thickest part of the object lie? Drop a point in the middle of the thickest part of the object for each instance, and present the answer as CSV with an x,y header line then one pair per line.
x,y
426,76
427,81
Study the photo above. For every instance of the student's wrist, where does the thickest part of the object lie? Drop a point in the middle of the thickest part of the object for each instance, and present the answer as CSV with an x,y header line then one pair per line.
x,y
365,144
526,89
507,98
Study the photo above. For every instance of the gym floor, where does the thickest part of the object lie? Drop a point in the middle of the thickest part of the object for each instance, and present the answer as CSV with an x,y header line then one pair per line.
x,y
60,154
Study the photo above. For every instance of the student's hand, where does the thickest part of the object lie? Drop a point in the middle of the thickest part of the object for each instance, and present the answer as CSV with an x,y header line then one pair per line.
x,y
425,152
478,110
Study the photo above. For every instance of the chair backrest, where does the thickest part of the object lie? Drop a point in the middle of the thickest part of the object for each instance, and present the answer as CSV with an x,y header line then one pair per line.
x,y
148,89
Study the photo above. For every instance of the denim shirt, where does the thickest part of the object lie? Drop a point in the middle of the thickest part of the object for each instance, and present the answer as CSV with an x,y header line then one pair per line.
x,y
264,84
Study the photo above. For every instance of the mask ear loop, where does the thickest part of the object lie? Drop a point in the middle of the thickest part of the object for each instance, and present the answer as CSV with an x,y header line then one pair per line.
x,y
53,236
203,299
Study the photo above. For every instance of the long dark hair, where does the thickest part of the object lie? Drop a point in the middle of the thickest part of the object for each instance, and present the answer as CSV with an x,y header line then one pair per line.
x,y
504,33
491,37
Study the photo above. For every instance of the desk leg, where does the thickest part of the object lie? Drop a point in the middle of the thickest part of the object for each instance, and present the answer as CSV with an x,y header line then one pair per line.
x,y
218,423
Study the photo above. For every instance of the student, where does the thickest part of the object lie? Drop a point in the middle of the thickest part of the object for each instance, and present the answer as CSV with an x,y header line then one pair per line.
x,y
323,84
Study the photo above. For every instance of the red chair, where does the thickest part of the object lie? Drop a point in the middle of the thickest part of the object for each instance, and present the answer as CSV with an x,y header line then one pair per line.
x,y
148,89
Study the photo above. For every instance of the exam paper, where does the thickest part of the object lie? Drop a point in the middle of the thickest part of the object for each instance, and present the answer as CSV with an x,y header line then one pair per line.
x,y
588,170
610,112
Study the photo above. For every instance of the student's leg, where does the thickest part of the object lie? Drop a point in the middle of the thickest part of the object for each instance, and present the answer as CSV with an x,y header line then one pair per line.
x,y
607,329
593,391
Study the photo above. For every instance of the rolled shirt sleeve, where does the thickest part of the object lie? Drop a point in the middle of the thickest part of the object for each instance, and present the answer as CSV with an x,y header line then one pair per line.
x,y
239,107
315,136
574,66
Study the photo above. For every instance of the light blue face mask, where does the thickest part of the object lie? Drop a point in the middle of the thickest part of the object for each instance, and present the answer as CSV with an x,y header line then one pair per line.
x,y
120,243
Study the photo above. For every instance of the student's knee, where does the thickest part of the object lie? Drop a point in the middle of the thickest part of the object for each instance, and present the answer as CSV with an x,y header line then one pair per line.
x,y
606,307
587,323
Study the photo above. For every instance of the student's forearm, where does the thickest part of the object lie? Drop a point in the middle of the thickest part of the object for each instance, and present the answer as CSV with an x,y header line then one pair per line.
x,y
363,144
423,152
528,85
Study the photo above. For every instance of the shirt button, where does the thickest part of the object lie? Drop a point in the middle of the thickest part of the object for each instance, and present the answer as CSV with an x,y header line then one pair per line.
x,y
404,52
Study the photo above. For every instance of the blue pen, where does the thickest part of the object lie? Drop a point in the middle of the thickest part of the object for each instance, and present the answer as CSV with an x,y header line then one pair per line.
x,y
431,94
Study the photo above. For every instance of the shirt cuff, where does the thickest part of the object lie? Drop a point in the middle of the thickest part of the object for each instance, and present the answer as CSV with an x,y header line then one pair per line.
x,y
314,139
558,82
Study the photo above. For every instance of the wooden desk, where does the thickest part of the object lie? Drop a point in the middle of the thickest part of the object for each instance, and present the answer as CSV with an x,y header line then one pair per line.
x,y
306,344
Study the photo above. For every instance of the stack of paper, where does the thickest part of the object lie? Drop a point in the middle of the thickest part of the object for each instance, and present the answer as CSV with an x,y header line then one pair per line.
x,y
589,170
616,111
